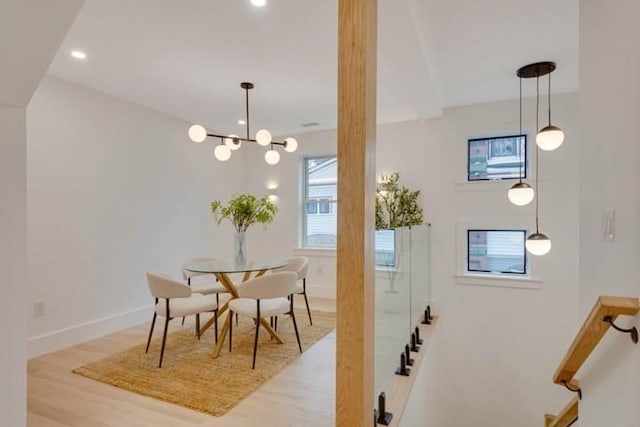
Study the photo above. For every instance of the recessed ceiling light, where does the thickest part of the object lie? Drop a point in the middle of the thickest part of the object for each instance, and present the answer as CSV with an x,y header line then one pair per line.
x,y
259,3
78,54
242,122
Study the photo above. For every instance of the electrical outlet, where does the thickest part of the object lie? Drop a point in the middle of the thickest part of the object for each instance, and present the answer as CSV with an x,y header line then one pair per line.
x,y
40,308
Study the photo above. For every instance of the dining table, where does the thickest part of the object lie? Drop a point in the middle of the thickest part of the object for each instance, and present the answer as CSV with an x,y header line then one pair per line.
x,y
222,270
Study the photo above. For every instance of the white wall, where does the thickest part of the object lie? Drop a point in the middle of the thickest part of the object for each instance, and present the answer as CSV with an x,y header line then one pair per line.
x,y
610,129
501,345
30,33
114,190
13,264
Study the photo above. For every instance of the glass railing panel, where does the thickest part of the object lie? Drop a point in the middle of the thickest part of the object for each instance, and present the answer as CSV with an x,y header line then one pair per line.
x,y
420,271
392,302
403,290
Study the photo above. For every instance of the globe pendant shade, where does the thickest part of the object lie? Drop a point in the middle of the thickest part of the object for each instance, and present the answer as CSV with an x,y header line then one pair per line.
x,y
521,194
263,137
538,244
549,138
197,133
222,152
291,145
272,157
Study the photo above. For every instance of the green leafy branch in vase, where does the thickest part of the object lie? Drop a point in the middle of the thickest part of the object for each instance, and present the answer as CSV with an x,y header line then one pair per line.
x,y
396,206
244,210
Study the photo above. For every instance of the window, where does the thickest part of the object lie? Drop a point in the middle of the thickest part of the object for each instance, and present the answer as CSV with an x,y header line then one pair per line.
x,y
320,201
496,251
324,206
503,157
319,208
386,248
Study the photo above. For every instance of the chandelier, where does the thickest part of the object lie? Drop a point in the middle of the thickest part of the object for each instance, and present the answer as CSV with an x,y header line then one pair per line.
x,y
229,143
548,138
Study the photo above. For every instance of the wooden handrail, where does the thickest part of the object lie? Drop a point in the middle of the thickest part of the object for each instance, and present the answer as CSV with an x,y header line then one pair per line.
x,y
568,416
591,332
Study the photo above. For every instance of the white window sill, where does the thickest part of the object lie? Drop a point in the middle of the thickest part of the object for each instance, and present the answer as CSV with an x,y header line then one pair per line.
x,y
315,252
491,185
388,269
330,253
503,281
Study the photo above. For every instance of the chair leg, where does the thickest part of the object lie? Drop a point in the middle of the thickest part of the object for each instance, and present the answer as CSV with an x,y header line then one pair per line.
x,y
215,312
295,327
275,323
271,324
306,301
164,340
236,319
153,323
215,324
255,342
230,330
198,325
188,283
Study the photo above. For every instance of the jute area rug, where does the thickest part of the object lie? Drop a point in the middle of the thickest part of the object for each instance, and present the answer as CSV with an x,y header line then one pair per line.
x,y
192,378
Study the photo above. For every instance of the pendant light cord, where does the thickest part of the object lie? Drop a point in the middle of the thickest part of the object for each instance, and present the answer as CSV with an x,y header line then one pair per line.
x,y
537,149
520,134
549,98
247,109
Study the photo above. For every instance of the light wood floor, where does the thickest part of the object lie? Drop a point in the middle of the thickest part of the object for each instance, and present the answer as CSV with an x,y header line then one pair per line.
x,y
301,395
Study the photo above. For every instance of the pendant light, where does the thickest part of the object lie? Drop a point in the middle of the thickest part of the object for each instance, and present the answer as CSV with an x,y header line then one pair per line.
x,y
521,193
538,243
228,144
549,137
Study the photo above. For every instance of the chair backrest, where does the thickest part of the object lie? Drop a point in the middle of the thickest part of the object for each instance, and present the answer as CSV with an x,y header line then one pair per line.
x,y
297,264
186,274
274,285
164,287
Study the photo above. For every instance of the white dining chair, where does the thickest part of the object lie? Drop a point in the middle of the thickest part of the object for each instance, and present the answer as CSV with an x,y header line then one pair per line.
x,y
264,296
175,299
299,265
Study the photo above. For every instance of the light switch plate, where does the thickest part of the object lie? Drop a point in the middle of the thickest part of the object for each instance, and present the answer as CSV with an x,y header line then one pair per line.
x,y
609,225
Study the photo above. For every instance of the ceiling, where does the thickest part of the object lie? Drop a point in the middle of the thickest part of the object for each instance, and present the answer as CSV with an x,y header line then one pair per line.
x,y
186,58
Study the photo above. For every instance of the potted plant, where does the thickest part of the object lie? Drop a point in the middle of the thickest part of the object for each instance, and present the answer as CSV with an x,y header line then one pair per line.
x,y
396,206
242,211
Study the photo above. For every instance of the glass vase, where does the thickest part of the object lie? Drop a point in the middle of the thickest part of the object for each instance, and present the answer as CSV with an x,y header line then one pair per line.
x,y
240,249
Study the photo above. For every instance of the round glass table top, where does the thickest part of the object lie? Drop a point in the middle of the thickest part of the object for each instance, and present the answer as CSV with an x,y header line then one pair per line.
x,y
215,265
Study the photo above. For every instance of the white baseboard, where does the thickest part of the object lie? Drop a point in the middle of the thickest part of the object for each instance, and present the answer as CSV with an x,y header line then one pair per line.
x,y
328,292
67,337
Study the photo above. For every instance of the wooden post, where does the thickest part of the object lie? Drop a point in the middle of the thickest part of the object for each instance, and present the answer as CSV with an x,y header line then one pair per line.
x,y
357,33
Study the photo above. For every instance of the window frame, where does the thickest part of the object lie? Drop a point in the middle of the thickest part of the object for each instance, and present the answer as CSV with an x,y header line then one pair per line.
x,y
530,282
524,166
525,273
306,200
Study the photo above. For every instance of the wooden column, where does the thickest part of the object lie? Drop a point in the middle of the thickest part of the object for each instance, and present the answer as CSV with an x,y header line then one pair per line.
x,y
357,34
